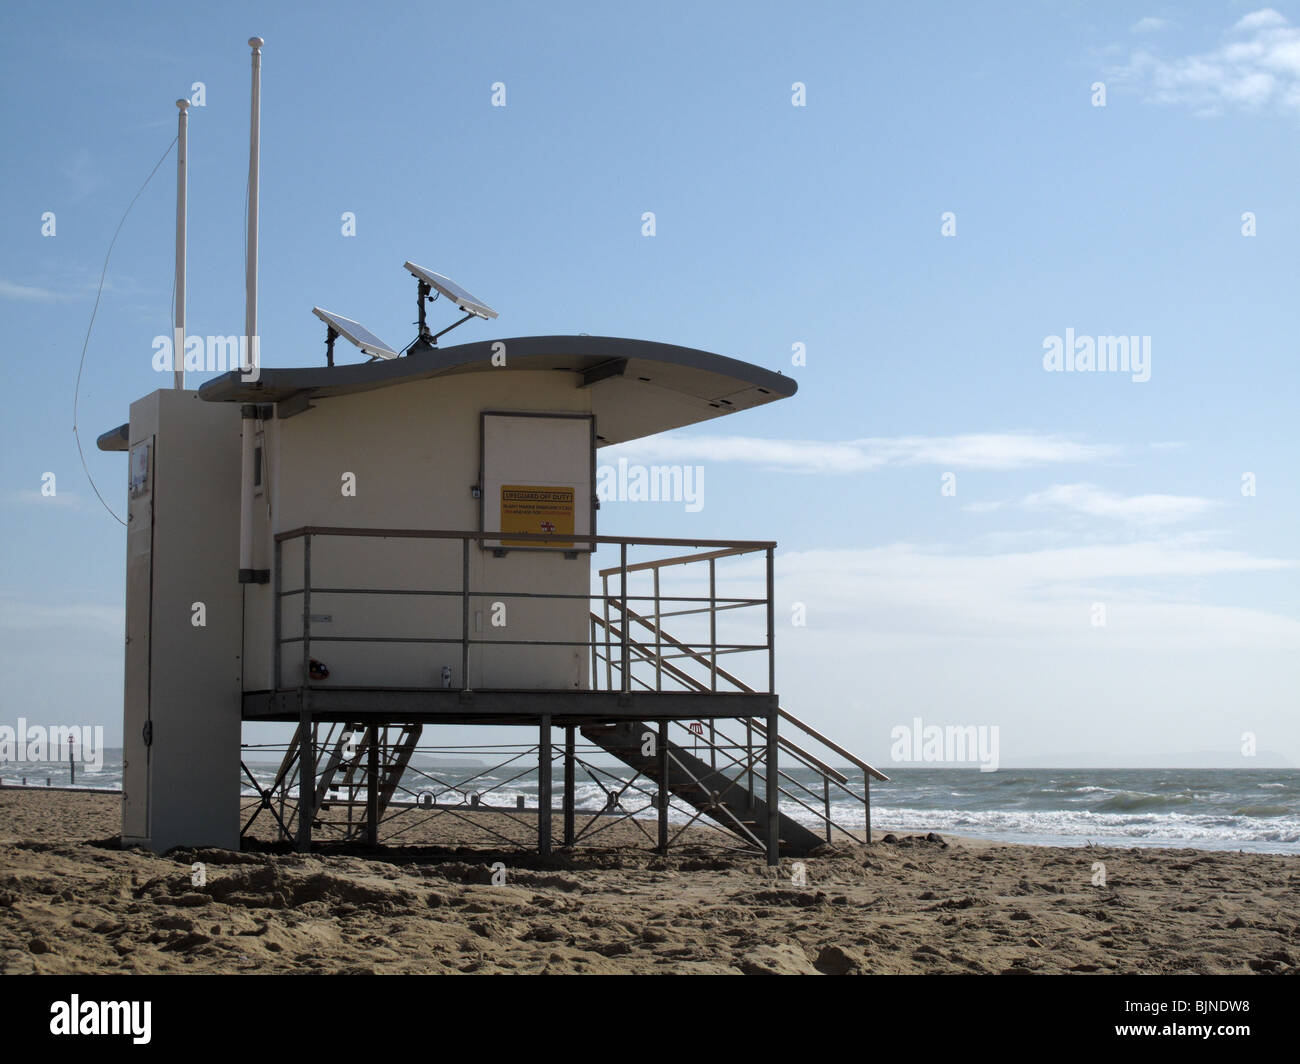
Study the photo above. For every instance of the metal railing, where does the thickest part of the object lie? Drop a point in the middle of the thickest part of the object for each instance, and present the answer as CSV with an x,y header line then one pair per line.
x,y
619,600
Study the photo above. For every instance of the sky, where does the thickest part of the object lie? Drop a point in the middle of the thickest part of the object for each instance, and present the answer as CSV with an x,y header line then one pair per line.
x,y
906,207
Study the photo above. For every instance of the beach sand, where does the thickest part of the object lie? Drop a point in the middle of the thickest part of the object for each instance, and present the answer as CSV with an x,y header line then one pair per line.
x,y
71,901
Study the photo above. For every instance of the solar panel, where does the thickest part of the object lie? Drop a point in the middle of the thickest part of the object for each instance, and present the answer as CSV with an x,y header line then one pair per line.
x,y
452,291
355,333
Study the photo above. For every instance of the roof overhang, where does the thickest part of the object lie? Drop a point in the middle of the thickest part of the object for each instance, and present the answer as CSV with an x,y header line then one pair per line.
x,y
638,387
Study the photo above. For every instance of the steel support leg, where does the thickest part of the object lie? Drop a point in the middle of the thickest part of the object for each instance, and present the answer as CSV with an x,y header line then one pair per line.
x,y
544,788
663,786
306,774
773,795
372,787
569,744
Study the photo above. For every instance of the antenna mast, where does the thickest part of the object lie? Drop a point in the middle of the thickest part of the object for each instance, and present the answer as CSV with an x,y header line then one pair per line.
x,y
250,421
254,169
178,312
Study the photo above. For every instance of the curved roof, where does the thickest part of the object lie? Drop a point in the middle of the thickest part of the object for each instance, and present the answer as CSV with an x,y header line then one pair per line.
x,y
639,387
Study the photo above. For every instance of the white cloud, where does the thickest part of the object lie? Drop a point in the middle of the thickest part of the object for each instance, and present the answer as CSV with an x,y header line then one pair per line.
x,y
1142,509
82,175
27,293
1262,19
1160,593
910,595
25,616
970,451
31,496
1256,68
1149,25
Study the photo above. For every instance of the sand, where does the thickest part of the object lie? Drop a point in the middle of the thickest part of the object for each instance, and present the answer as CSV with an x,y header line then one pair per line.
x,y
71,901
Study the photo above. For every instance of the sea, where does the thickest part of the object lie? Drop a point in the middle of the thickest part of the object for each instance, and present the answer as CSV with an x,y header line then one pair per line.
x,y
1255,810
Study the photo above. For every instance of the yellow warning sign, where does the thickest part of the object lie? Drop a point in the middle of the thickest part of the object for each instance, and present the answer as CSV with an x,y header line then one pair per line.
x,y
541,510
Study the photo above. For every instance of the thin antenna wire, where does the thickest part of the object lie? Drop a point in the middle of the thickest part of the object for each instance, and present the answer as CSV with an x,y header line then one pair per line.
x,y
76,392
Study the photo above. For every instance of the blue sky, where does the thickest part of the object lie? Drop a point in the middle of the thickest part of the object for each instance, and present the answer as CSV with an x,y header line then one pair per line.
x,y
776,225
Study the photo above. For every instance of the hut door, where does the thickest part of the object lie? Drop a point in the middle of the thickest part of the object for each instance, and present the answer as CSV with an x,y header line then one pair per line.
x,y
538,477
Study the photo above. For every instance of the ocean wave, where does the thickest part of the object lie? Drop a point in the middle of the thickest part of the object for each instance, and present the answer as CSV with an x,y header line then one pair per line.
x,y
1076,827
1130,801
1263,810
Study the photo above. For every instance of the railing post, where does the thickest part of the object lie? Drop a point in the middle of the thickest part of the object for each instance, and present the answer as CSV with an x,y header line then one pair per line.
x,y
866,793
771,624
713,656
659,650
826,797
713,625
626,685
464,613
609,642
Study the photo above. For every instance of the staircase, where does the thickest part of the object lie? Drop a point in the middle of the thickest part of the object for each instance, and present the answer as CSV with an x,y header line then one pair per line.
x,y
637,653
722,798
339,778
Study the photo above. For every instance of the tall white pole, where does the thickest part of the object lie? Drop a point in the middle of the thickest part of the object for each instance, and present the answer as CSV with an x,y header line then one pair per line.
x,y
254,146
178,312
247,574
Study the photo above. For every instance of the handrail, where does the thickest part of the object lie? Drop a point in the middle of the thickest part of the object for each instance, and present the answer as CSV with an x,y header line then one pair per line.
x,y
851,758
530,537
812,760
856,761
684,559
573,544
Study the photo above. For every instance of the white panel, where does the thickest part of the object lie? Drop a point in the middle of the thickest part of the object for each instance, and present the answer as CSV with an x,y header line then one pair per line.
x,y
139,574
183,678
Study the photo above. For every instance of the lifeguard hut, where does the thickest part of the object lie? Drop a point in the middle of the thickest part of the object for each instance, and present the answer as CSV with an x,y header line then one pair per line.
x,y
368,550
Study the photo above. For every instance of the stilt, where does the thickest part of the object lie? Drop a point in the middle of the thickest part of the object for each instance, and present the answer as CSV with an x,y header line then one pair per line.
x,y
663,786
749,763
544,788
773,793
306,774
372,786
569,743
